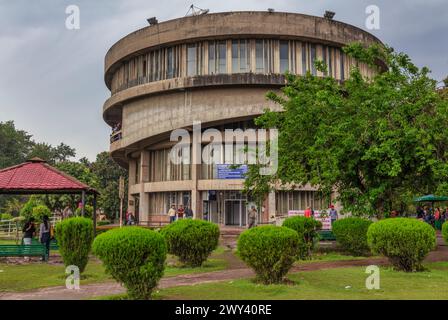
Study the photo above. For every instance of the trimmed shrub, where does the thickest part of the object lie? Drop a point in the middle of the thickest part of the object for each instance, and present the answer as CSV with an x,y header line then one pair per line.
x,y
307,230
191,240
133,256
351,235
75,237
445,231
6,216
39,211
270,251
404,241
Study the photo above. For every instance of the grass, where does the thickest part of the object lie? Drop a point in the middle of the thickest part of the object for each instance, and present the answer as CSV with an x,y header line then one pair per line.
x,y
331,256
334,284
14,278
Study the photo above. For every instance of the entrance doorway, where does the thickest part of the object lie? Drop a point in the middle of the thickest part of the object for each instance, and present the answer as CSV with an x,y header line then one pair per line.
x,y
235,212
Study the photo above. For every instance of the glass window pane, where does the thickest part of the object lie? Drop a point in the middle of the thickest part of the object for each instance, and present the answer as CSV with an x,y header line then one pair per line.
x,y
222,56
313,59
211,58
259,56
235,65
284,56
170,63
191,60
243,56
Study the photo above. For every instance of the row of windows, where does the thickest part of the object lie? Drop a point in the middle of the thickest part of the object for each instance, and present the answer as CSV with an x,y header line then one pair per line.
x,y
299,200
264,56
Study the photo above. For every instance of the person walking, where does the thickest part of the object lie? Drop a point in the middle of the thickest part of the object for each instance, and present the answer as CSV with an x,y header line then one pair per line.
x,y
333,214
180,212
45,236
172,213
29,230
252,217
437,219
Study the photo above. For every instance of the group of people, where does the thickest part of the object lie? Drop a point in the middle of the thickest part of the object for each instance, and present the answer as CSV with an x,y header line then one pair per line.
x,y
180,213
333,213
433,216
129,219
46,234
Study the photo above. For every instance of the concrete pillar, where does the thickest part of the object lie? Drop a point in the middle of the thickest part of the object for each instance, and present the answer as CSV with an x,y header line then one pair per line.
x,y
131,173
271,202
195,173
144,177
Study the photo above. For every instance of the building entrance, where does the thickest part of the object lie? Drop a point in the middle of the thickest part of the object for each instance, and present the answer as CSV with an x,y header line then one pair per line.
x,y
235,212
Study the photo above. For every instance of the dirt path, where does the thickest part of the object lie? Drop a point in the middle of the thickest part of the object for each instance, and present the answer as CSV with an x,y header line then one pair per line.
x,y
237,270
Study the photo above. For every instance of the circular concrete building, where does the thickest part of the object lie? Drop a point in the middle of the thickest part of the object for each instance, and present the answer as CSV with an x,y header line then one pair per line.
x,y
216,69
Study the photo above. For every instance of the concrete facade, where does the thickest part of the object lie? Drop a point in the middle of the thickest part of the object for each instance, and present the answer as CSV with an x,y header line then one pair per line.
x,y
236,59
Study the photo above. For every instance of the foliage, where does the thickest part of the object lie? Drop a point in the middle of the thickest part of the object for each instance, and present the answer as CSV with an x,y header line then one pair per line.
x,y
351,234
404,241
15,145
133,256
27,209
108,173
40,211
13,206
270,251
75,237
6,216
445,231
306,228
88,211
191,240
375,141
52,155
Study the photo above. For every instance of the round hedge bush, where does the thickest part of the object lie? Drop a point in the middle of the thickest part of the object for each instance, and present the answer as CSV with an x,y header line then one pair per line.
x,y
307,230
445,231
191,240
75,237
404,241
270,251
351,235
134,256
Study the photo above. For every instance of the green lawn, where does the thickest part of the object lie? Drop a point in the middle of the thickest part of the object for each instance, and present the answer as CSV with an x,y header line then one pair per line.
x,y
40,275
340,283
331,256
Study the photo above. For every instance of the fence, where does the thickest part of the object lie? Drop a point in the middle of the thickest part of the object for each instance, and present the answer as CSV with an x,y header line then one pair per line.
x,y
12,229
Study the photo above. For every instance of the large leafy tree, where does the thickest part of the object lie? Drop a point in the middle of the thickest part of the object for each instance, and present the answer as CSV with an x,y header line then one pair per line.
x,y
377,142
15,145
108,173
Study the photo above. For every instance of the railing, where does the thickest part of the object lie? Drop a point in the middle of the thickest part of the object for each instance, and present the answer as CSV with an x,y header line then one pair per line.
x,y
9,230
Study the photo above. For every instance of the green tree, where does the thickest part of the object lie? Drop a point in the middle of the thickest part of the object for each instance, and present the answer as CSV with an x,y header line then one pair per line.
x,y
53,155
375,141
108,173
15,145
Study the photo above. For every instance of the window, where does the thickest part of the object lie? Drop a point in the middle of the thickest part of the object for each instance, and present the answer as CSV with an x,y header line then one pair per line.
x,y
240,56
144,68
304,59
192,69
342,64
324,57
222,56
211,58
259,56
169,63
313,59
284,56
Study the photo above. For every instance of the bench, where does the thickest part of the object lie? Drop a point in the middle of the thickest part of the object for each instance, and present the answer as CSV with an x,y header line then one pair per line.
x,y
53,244
19,250
326,235
156,220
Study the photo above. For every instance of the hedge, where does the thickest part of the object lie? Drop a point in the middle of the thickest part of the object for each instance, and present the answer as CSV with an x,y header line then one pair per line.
x,y
134,256
351,235
404,241
75,237
191,240
307,230
445,231
270,251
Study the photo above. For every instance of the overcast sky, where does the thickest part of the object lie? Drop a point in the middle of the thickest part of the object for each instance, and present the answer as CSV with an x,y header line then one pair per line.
x,y
51,78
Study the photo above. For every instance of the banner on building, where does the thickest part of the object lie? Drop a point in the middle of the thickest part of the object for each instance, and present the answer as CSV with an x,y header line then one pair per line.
x,y
229,171
319,215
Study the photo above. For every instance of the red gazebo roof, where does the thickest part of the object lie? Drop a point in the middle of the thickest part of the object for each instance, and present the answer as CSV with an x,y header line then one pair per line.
x,y
36,176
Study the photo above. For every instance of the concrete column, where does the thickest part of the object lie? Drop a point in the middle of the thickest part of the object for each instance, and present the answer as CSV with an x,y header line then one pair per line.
x,y
195,173
271,204
144,177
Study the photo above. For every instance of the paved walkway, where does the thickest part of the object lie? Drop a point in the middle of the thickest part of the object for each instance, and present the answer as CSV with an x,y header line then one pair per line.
x,y
236,271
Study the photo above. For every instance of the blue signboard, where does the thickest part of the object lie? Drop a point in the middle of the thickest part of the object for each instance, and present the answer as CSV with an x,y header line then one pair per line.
x,y
228,171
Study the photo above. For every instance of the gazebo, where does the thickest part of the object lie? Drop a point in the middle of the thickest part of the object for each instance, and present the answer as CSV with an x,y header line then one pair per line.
x,y
36,176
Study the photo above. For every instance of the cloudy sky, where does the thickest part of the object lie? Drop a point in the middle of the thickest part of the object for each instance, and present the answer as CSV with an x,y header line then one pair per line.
x,y
51,78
